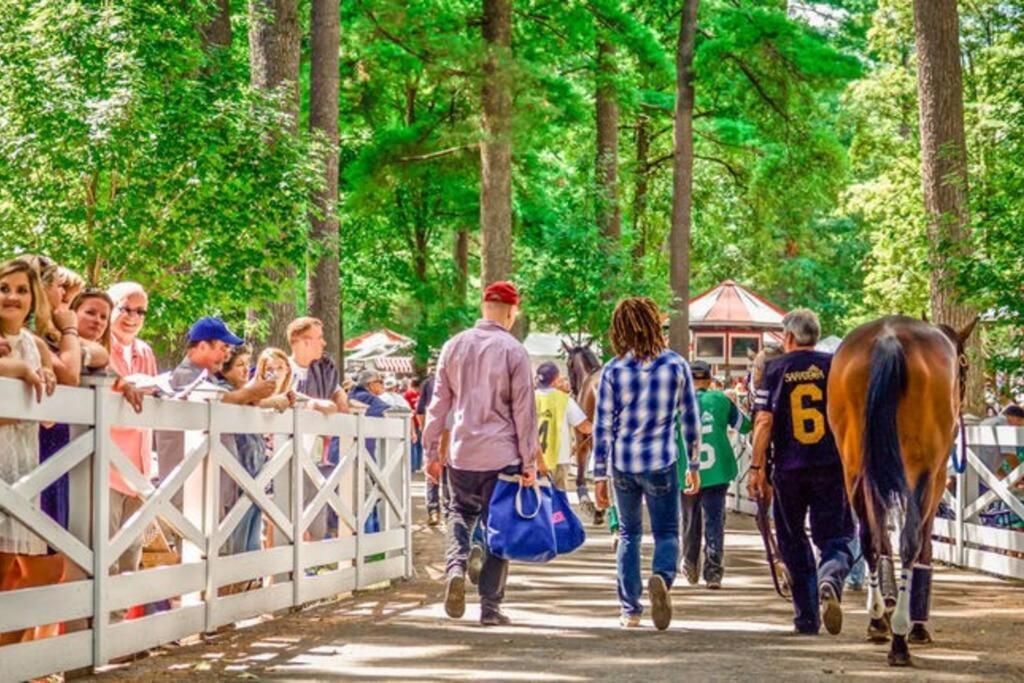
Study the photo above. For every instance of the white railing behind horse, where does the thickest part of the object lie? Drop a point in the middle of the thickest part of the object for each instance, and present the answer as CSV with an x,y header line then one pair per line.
x,y
962,541
352,488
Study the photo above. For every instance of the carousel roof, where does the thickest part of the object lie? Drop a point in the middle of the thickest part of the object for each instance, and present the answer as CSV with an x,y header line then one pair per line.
x,y
729,305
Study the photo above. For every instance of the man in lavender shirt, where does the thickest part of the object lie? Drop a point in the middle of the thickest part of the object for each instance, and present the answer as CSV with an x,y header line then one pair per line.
x,y
484,379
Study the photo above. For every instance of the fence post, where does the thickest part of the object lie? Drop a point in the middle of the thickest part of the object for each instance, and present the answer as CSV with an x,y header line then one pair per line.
x,y
296,487
211,514
407,494
360,498
961,502
100,529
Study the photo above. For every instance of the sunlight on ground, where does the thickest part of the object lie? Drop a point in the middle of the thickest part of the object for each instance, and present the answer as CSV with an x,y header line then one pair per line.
x,y
386,661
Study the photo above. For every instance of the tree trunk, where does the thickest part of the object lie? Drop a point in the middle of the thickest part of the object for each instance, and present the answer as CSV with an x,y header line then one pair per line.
x,y
495,148
217,32
944,169
462,263
641,184
274,63
682,181
609,215
322,288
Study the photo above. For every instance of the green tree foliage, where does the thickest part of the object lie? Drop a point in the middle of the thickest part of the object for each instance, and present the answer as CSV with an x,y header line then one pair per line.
x,y
127,151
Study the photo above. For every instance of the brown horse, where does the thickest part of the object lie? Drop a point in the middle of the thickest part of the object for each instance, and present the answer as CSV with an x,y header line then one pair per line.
x,y
894,397
584,375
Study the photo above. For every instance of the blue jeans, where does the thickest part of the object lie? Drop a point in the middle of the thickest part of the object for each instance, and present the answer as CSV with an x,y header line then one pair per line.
x,y
856,576
705,509
660,488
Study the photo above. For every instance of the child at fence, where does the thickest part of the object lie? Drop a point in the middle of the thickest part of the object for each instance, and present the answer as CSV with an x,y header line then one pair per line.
x,y
251,452
24,562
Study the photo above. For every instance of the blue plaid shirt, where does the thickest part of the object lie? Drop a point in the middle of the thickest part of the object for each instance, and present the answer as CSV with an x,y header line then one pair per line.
x,y
635,417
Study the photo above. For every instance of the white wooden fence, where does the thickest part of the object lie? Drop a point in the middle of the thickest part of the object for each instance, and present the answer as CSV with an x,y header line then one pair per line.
x,y
357,486
962,541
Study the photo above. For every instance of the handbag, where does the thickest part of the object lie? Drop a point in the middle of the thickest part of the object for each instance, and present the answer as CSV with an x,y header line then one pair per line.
x,y
569,532
519,525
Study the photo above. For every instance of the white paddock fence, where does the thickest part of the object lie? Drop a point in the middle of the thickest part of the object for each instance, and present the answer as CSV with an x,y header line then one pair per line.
x,y
962,541
357,486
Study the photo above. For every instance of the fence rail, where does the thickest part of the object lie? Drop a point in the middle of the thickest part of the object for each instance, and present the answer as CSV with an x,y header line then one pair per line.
x,y
959,538
371,480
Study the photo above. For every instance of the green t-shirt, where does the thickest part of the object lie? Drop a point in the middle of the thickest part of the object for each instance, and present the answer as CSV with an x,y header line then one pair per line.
x,y
717,415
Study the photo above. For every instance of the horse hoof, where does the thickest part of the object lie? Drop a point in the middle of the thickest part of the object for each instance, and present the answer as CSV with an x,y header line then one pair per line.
x,y
878,631
919,635
899,654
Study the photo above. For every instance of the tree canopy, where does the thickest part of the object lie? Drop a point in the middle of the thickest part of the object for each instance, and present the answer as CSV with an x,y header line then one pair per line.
x,y
132,147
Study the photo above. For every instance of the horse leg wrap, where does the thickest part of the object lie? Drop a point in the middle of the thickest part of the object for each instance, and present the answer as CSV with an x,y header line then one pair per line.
x,y
921,593
887,581
901,617
876,604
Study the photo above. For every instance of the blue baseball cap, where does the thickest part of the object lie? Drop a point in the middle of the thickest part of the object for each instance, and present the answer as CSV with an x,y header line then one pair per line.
x,y
212,329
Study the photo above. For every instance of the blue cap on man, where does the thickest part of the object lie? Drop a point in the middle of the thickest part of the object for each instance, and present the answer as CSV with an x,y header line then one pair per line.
x,y
212,329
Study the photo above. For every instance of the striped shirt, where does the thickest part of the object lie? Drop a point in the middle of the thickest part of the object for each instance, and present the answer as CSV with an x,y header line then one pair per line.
x,y
636,415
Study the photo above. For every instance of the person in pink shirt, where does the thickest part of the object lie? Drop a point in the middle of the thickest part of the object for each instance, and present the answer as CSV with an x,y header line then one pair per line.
x,y
129,356
484,380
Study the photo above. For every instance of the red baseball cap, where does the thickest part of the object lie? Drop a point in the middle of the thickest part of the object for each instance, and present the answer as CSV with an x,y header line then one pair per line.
x,y
503,292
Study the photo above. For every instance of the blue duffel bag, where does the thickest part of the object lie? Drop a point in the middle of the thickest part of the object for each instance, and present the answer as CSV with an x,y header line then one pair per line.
x,y
569,532
519,525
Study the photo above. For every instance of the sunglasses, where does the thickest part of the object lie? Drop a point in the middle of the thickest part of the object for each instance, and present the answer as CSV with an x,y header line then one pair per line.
x,y
141,312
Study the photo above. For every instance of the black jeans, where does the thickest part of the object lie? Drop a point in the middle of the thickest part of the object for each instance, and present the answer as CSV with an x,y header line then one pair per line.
x,y
704,514
470,498
820,492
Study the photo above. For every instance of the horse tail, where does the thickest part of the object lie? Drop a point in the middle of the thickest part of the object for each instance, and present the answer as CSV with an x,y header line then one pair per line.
x,y
883,473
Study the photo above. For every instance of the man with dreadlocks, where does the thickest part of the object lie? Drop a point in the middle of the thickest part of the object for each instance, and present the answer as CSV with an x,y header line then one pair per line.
x,y
645,395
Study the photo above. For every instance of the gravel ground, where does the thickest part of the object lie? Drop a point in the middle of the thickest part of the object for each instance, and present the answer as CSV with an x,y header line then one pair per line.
x,y
565,628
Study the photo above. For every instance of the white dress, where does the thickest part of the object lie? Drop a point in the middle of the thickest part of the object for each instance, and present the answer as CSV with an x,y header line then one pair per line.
x,y
19,455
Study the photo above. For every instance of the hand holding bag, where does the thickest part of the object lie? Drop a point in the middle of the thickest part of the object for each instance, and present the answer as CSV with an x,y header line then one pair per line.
x,y
519,525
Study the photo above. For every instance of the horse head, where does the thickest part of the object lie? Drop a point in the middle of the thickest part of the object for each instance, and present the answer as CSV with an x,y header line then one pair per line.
x,y
581,361
959,339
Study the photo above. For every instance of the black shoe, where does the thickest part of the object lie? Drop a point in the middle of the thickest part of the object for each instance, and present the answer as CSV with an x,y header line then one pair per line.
x,y
661,602
831,610
455,596
494,618
919,635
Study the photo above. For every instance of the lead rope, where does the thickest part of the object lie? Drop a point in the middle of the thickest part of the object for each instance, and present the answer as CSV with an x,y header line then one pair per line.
x,y
960,467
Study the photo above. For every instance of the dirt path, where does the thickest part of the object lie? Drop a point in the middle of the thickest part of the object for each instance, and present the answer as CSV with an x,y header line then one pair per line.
x,y
566,629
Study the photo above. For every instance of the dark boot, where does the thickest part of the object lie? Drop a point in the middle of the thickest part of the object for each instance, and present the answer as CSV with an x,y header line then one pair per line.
x,y
920,605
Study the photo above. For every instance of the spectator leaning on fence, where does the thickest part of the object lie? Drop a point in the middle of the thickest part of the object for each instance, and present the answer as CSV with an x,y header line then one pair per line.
x,y
645,392
209,345
68,350
130,357
484,376
93,309
249,449
24,562
316,375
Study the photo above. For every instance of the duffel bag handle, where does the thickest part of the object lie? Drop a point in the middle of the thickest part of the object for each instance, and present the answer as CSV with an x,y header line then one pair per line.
x,y
519,501
517,479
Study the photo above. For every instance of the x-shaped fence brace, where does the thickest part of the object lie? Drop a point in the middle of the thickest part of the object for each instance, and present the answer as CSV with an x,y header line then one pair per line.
x,y
159,502
255,490
327,493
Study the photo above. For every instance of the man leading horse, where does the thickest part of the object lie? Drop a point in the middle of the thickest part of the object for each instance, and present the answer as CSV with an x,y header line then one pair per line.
x,y
807,476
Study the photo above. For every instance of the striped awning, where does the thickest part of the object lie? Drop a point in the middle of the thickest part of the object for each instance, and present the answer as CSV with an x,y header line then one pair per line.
x,y
399,365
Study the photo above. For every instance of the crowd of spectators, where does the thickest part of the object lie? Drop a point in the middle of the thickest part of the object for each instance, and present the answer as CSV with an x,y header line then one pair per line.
x,y
55,330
